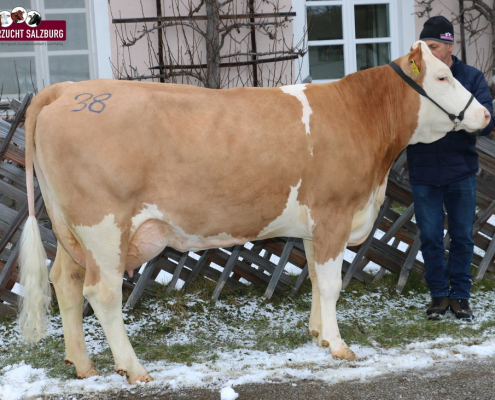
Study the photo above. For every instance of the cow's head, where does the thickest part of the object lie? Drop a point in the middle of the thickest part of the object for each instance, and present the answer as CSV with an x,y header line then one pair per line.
x,y
436,79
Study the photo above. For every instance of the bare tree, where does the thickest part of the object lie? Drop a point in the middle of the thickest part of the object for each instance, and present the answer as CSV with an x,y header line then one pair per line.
x,y
214,43
475,18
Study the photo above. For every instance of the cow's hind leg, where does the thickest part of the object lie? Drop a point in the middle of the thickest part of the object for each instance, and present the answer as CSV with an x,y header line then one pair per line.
x,y
314,328
68,278
329,277
104,292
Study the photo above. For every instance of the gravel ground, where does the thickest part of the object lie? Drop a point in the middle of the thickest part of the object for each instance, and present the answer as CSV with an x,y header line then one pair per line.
x,y
473,380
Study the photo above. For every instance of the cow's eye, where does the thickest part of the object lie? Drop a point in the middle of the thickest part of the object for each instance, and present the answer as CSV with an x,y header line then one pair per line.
x,y
443,78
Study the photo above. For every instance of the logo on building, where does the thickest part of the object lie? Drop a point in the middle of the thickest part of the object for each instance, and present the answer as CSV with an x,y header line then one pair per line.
x,y
20,25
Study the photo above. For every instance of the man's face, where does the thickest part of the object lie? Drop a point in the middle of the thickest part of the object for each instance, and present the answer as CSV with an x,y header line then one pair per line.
x,y
442,51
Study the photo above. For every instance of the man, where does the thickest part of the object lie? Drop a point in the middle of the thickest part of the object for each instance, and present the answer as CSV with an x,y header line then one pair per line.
x,y
443,173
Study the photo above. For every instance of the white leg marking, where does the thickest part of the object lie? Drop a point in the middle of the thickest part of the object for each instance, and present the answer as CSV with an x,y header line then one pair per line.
x,y
329,284
315,317
106,300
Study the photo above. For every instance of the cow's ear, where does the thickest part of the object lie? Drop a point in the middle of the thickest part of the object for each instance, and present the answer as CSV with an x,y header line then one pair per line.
x,y
415,58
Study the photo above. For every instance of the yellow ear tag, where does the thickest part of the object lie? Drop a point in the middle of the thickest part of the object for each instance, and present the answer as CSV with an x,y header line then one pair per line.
x,y
414,67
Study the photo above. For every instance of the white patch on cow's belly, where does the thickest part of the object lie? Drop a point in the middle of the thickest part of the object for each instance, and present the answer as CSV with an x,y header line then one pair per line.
x,y
182,241
103,240
363,220
295,220
298,92
149,211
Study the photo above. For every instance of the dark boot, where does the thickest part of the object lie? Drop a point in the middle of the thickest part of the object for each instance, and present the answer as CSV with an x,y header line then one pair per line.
x,y
438,307
461,309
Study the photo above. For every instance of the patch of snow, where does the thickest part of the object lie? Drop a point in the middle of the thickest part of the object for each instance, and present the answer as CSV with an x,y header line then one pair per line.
x,y
227,393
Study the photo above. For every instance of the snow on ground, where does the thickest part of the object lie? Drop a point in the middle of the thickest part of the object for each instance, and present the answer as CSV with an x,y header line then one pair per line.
x,y
244,365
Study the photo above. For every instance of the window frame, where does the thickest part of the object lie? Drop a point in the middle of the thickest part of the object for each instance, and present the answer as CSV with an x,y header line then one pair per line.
x,y
402,31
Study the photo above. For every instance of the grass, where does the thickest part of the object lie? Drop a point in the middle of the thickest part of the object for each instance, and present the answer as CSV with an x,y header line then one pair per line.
x,y
185,328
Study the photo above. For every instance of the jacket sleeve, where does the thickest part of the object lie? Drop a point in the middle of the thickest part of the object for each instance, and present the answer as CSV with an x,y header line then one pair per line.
x,y
482,93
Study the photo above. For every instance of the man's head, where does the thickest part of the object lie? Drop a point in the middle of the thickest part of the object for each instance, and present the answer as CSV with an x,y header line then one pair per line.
x,y
438,34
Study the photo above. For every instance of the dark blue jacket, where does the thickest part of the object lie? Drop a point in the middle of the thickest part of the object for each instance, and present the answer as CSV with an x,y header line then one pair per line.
x,y
453,157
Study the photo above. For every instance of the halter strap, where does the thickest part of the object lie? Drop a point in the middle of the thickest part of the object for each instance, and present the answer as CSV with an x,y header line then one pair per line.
x,y
456,119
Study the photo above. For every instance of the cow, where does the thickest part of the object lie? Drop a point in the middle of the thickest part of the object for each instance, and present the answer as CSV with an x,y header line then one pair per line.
x,y
17,16
34,19
128,168
4,20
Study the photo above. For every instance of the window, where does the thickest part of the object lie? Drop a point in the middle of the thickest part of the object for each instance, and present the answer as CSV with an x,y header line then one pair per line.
x,y
27,65
345,36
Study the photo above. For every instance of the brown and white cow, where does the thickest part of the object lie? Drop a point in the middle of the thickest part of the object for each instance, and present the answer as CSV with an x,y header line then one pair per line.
x,y
127,168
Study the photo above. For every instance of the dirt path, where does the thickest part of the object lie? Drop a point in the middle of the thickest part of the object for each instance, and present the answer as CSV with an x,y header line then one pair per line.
x,y
469,380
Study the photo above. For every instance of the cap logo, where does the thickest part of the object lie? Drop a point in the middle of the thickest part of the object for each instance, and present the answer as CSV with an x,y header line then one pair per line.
x,y
447,36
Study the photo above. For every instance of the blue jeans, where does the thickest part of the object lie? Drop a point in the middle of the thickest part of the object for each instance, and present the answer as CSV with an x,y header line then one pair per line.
x,y
459,199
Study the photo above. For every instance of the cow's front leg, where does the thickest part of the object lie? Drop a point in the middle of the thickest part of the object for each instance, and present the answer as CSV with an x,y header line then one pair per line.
x,y
329,278
105,296
314,328
68,279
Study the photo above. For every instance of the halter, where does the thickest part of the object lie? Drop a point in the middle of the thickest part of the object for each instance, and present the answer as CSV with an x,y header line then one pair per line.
x,y
456,119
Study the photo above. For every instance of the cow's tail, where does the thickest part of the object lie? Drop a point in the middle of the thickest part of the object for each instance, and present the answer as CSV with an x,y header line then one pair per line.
x,y
36,291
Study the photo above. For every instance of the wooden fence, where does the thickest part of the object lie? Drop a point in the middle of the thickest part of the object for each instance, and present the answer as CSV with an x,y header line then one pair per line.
x,y
260,263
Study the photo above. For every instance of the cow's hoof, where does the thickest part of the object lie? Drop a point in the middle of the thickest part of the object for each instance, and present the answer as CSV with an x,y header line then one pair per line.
x,y
144,379
345,354
88,373
121,372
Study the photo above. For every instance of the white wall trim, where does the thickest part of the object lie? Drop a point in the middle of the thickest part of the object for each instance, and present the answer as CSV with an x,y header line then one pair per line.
x,y
407,35
101,40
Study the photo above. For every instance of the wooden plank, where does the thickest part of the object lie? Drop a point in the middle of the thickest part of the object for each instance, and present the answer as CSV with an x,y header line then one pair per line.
x,y
226,271
263,263
12,192
16,223
14,154
12,261
406,268
200,17
19,137
361,276
284,258
483,217
208,272
485,262
390,258
241,268
300,281
9,297
225,64
381,272
197,268
14,173
17,119
175,277
143,281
